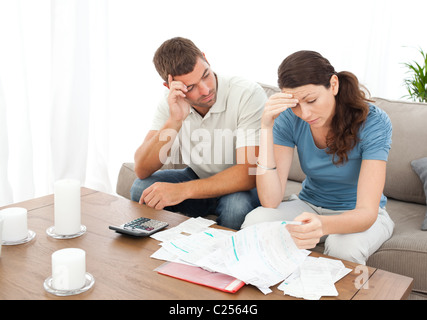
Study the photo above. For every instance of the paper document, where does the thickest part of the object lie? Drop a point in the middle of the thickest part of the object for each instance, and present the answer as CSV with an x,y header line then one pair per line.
x,y
314,278
190,226
262,255
194,247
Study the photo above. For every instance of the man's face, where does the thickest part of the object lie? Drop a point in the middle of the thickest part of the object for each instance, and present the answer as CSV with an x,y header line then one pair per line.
x,y
201,85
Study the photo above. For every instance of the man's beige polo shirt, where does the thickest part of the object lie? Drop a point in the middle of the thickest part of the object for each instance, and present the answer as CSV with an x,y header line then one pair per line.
x,y
208,144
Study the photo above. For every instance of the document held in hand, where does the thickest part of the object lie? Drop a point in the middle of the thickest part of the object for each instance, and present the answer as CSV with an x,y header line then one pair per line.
x,y
198,275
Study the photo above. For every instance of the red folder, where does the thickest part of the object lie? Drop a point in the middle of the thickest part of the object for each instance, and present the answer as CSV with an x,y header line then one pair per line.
x,y
201,276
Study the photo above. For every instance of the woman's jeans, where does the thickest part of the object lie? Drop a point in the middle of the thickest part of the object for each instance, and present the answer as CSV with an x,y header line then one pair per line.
x,y
231,209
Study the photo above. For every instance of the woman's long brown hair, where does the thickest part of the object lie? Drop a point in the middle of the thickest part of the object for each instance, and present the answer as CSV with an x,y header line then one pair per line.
x,y
352,108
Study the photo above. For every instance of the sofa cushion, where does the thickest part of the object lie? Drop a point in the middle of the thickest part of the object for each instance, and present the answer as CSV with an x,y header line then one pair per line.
x,y
269,90
420,167
406,251
408,144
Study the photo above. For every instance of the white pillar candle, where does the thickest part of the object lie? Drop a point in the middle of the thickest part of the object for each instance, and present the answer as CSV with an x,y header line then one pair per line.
x,y
15,226
68,269
67,207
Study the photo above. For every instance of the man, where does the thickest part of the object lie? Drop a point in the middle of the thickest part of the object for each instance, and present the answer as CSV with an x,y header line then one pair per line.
x,y
214,123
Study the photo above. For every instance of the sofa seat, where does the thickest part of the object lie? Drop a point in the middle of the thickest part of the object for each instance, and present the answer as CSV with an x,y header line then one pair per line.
x,y
401,254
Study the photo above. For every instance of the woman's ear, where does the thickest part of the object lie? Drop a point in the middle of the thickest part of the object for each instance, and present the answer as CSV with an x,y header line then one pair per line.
x,y
335,84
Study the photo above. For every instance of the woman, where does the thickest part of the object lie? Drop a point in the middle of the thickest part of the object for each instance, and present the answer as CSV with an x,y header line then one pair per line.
x,y
343,143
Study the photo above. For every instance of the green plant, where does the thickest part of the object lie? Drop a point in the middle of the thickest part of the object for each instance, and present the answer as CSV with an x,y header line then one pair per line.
x,y
416,84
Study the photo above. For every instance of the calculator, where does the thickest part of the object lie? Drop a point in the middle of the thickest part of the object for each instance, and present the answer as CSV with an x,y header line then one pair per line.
x,y
140,227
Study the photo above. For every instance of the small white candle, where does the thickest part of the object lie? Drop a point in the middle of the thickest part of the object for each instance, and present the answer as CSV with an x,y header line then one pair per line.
x,y
68,269
15,226
67,207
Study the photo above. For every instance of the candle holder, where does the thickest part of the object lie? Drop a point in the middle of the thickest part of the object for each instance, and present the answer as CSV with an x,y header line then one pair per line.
x,y
51,233
90,281
28,238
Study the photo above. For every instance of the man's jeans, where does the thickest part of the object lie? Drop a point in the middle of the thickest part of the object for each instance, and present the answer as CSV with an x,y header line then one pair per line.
x,y
231,209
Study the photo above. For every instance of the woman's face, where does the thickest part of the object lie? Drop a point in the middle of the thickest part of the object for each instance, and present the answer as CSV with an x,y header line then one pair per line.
x,y
316,103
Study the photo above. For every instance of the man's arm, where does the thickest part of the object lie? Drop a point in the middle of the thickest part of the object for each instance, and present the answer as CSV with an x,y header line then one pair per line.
x,y
150,156
239,177
236,178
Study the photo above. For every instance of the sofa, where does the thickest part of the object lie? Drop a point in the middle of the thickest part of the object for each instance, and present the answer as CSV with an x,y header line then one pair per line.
x,y
406,251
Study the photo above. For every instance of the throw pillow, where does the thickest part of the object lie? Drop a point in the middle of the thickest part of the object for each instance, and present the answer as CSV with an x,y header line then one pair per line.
x,y
420,167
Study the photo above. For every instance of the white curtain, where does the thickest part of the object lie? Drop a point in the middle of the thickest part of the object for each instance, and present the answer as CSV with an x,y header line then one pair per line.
x,y
79,118
78,88
54,116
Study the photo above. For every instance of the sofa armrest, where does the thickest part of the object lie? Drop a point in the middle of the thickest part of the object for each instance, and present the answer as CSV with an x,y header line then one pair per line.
x,y
125,179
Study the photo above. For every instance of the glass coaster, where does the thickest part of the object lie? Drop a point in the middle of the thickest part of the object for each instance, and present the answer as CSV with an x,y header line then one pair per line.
x,y
30,236
51,233
90,281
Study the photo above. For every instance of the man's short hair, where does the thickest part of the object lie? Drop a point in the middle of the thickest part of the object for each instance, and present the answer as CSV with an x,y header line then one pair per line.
x,y
176,56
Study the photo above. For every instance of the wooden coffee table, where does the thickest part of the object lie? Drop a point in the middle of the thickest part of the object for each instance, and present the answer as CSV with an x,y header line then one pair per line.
x,y
122,266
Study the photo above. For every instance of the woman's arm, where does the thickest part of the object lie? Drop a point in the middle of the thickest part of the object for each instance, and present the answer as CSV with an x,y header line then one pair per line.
x,y
271,184
369,190
274,161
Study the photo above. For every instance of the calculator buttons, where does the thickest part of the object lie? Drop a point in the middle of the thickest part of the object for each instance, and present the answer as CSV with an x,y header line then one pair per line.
x,y
140,227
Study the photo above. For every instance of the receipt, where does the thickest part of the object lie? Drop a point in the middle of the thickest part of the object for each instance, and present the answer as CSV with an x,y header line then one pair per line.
x,y
189,226
314,278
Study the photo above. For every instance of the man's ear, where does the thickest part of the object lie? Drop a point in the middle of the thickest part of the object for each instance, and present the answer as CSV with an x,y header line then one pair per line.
x,y
170,79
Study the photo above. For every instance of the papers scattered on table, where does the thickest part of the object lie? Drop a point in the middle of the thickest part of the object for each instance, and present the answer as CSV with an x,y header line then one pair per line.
x,y
314,278
262,255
